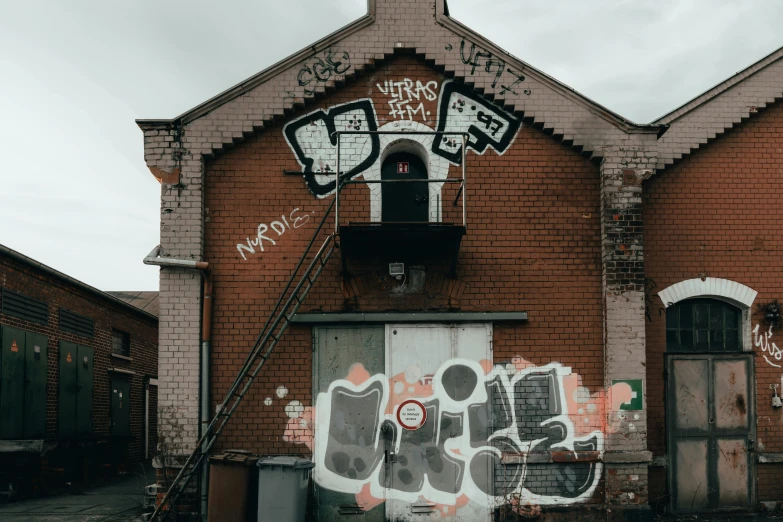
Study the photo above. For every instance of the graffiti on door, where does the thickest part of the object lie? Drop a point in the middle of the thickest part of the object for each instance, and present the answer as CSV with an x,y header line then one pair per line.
x,y
517,409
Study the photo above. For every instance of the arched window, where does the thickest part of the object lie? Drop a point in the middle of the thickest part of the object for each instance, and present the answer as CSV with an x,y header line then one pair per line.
x,y
703,325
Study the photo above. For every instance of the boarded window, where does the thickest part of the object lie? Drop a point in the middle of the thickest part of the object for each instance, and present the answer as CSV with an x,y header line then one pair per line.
x,y
703,325
77,324
23,307
120,343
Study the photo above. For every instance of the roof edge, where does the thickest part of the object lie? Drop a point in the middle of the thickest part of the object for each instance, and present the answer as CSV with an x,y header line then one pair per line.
x,y
566,90
723,86
257,79
18,256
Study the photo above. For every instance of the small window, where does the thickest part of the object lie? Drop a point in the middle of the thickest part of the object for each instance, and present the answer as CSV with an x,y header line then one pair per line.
x,y
23,307
703,325
77,324
120,343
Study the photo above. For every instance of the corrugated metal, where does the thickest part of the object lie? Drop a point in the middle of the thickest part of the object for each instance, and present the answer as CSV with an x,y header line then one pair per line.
x,y
24,307
75,323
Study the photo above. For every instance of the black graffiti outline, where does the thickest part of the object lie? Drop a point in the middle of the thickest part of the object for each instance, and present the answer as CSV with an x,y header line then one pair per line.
x,y
519,79
328,67
362,434
479,140
492,62
328,116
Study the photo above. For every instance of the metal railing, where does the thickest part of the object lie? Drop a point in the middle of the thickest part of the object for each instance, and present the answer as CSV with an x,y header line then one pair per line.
x,y
340,183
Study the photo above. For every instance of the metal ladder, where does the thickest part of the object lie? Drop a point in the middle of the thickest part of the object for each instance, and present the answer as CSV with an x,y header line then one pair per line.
x,y
265,343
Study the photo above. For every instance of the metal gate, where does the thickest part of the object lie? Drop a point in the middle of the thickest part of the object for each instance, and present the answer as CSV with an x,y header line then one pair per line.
x,y
711,432
423,481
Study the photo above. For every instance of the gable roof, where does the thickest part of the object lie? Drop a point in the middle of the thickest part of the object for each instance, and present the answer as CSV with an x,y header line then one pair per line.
x,y
720,108
146,301
68,280
542,100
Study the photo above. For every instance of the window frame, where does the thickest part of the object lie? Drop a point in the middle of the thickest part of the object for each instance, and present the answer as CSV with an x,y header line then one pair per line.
x,y
721,336
125,340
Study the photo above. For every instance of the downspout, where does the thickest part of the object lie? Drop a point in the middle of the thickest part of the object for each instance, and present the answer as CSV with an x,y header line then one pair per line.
x,y
153,258
206,332
146,418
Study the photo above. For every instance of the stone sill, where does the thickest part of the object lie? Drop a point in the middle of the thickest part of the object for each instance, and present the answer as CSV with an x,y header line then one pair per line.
x,y
123,357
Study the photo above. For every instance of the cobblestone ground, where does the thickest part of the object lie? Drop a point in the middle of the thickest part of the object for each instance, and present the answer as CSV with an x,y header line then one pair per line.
x,y
119,500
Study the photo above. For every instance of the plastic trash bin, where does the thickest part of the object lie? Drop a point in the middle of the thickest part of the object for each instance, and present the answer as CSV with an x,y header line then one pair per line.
x,y
233,487
283,483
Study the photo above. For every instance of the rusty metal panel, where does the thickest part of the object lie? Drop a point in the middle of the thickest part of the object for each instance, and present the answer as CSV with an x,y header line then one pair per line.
x,y
711,432
733,477
691,381
692,484
731,394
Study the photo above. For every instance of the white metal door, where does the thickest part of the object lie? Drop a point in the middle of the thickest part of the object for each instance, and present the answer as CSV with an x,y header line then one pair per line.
x,y
427,472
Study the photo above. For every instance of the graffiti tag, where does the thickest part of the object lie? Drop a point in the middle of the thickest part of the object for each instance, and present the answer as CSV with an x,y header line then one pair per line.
x,y
462,110
278,227
312,138
767,347
479,58
404,95
318,70
472,418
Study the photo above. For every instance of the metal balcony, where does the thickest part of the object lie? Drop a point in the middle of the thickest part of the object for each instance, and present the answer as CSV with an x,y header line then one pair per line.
x,y
400,239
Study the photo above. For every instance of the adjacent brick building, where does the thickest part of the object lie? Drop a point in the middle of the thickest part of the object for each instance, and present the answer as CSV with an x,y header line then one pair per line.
x,y
517,298
79,378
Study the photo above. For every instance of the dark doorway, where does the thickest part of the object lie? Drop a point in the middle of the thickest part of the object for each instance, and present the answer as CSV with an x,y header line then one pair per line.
x,y
120,406
407,202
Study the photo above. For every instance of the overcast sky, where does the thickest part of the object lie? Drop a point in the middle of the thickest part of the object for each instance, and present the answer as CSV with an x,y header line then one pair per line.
x,y
75,74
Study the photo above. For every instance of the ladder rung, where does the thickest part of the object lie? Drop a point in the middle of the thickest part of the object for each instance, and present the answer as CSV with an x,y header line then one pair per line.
x,y
258,355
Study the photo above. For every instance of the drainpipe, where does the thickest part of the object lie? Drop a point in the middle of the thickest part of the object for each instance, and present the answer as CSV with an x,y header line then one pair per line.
x,y
206,332
153,258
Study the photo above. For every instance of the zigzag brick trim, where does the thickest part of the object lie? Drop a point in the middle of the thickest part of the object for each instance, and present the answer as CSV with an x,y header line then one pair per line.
x,y
711,114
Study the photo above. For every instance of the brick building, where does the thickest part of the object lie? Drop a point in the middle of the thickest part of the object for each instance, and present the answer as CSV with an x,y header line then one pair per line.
x,y
78,388
492,276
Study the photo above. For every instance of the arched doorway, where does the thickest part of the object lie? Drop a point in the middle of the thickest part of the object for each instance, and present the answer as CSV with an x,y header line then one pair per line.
x,y
710,403
407,202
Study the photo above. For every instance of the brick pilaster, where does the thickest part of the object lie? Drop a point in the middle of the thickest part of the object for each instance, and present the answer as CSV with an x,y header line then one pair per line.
x,y
622,170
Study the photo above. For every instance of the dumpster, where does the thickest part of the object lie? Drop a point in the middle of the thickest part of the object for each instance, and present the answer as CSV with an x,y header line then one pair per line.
x,y
283,483
233,487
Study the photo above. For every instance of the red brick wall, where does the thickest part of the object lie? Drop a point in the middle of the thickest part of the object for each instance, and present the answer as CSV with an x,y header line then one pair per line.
x,y
715,213
107,315
533,244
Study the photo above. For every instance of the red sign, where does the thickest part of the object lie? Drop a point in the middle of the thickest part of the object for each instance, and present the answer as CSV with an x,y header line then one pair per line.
x,y
411,414
14,346
402,167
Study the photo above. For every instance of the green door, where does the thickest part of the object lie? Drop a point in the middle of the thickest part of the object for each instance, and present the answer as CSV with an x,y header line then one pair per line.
x,y
120,406
66,399
84,367
36,362
12,384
